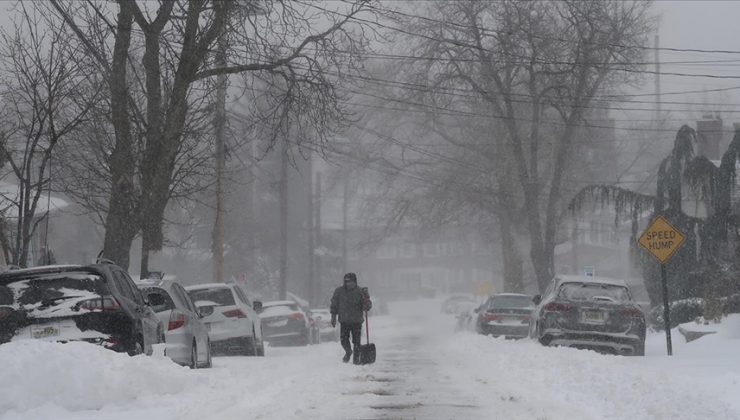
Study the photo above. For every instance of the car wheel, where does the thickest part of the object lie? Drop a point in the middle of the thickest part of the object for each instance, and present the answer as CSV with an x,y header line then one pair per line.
x,y
639,349
209,359
138,347
194,356
250,344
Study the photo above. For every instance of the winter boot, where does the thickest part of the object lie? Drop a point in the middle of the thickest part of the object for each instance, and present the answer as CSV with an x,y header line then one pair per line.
x,y
346,357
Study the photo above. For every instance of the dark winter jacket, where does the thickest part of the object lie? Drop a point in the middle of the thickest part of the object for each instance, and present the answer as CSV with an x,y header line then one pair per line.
x,y
349,304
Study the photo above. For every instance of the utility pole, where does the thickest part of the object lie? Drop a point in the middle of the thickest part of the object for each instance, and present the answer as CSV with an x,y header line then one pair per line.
x,y
217,247
310,232
283,288
657,79
317,230
345,195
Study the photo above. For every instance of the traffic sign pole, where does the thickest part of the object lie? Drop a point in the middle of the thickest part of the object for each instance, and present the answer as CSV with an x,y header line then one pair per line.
x,y
666,310
662,240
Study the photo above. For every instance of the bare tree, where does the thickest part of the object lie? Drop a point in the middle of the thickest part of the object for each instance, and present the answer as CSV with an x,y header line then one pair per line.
x,y
272,40
538,66
47,97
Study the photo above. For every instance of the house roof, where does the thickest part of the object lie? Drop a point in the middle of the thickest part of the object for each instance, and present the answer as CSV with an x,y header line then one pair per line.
x,y
9,194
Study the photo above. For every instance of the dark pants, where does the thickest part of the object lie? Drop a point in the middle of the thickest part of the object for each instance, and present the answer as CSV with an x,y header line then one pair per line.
x,y
344,332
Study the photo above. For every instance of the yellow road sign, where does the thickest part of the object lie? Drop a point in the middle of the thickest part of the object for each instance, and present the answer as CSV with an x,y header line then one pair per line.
x,y
661,239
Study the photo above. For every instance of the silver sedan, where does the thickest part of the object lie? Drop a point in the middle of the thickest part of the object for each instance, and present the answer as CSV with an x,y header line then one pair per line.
x,y
186,335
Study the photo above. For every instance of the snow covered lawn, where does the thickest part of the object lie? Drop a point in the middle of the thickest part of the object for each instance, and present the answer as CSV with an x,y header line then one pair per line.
x,y
424,370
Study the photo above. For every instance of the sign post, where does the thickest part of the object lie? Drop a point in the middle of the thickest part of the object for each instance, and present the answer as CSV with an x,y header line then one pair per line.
x,y
662,240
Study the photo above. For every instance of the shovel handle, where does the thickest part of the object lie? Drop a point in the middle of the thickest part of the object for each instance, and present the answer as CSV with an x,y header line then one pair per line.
x,y
367,328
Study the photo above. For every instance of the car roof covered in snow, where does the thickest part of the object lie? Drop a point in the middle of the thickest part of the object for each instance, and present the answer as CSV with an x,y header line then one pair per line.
x,y
561,278
512,294
46,269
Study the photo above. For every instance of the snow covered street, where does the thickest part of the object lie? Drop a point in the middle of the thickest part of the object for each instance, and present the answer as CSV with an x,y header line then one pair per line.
x,y
424,370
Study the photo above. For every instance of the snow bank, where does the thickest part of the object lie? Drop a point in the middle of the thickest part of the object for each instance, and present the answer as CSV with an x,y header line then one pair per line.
x,y
525,380
76,376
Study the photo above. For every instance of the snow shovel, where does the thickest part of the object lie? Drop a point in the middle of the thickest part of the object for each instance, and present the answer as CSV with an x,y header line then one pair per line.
x,y
367,351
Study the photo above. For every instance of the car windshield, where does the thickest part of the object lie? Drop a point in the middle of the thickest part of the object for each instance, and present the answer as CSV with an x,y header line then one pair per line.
x,y
220,295
593,291
52,291
510,302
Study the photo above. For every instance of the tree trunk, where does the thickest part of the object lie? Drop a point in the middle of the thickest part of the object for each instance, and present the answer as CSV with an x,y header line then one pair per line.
x,y
513,264
283,289
121,223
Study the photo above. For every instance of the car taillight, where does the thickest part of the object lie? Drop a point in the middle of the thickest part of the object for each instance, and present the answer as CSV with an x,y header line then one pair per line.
x,y
631,312
234,313
490,317
100,304
177,320
558,307
5,312
525,319
297,316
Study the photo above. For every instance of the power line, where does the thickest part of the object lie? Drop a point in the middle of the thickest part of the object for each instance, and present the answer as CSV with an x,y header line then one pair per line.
x,y
448,23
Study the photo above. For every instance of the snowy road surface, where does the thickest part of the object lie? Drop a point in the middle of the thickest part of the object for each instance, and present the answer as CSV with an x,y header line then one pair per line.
x,y
424,371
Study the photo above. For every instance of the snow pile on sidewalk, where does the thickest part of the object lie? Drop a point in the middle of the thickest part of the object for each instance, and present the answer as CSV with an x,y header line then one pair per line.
x,y
79,376
525,380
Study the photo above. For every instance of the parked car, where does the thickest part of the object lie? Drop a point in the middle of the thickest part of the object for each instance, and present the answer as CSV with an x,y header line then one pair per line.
x,y
589,313
456,304
234,326
285,322
505,314
323,321
97,303
186,335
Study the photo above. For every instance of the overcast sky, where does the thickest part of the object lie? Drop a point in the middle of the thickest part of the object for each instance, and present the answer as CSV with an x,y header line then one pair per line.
x,y
707,25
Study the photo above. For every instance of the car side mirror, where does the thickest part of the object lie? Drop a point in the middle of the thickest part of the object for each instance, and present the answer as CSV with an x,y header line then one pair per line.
x,y
537,299
476,310
257,306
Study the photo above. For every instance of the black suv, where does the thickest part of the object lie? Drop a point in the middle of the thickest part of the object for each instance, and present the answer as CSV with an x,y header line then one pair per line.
x,y
589,313
96,303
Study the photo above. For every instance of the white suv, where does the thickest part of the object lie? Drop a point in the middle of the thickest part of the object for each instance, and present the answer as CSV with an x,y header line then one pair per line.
x,y
235,327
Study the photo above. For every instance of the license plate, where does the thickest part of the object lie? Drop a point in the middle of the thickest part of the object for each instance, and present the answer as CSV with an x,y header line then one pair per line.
x,y
593,317
45,331
278,323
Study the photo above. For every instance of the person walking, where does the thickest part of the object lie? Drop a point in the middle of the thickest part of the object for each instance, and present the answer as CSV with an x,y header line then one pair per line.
x,y
349,304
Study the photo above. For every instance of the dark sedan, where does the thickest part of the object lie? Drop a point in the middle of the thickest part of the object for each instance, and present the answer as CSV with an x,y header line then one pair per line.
x,y
589,313
97,303
505,314
285,322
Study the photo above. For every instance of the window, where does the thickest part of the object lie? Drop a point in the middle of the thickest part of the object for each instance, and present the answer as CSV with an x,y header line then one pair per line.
x,y
594,292
431,250
123,286
183,296
220,295
510,302
242,296
386,252
168,303
408,250
133,290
